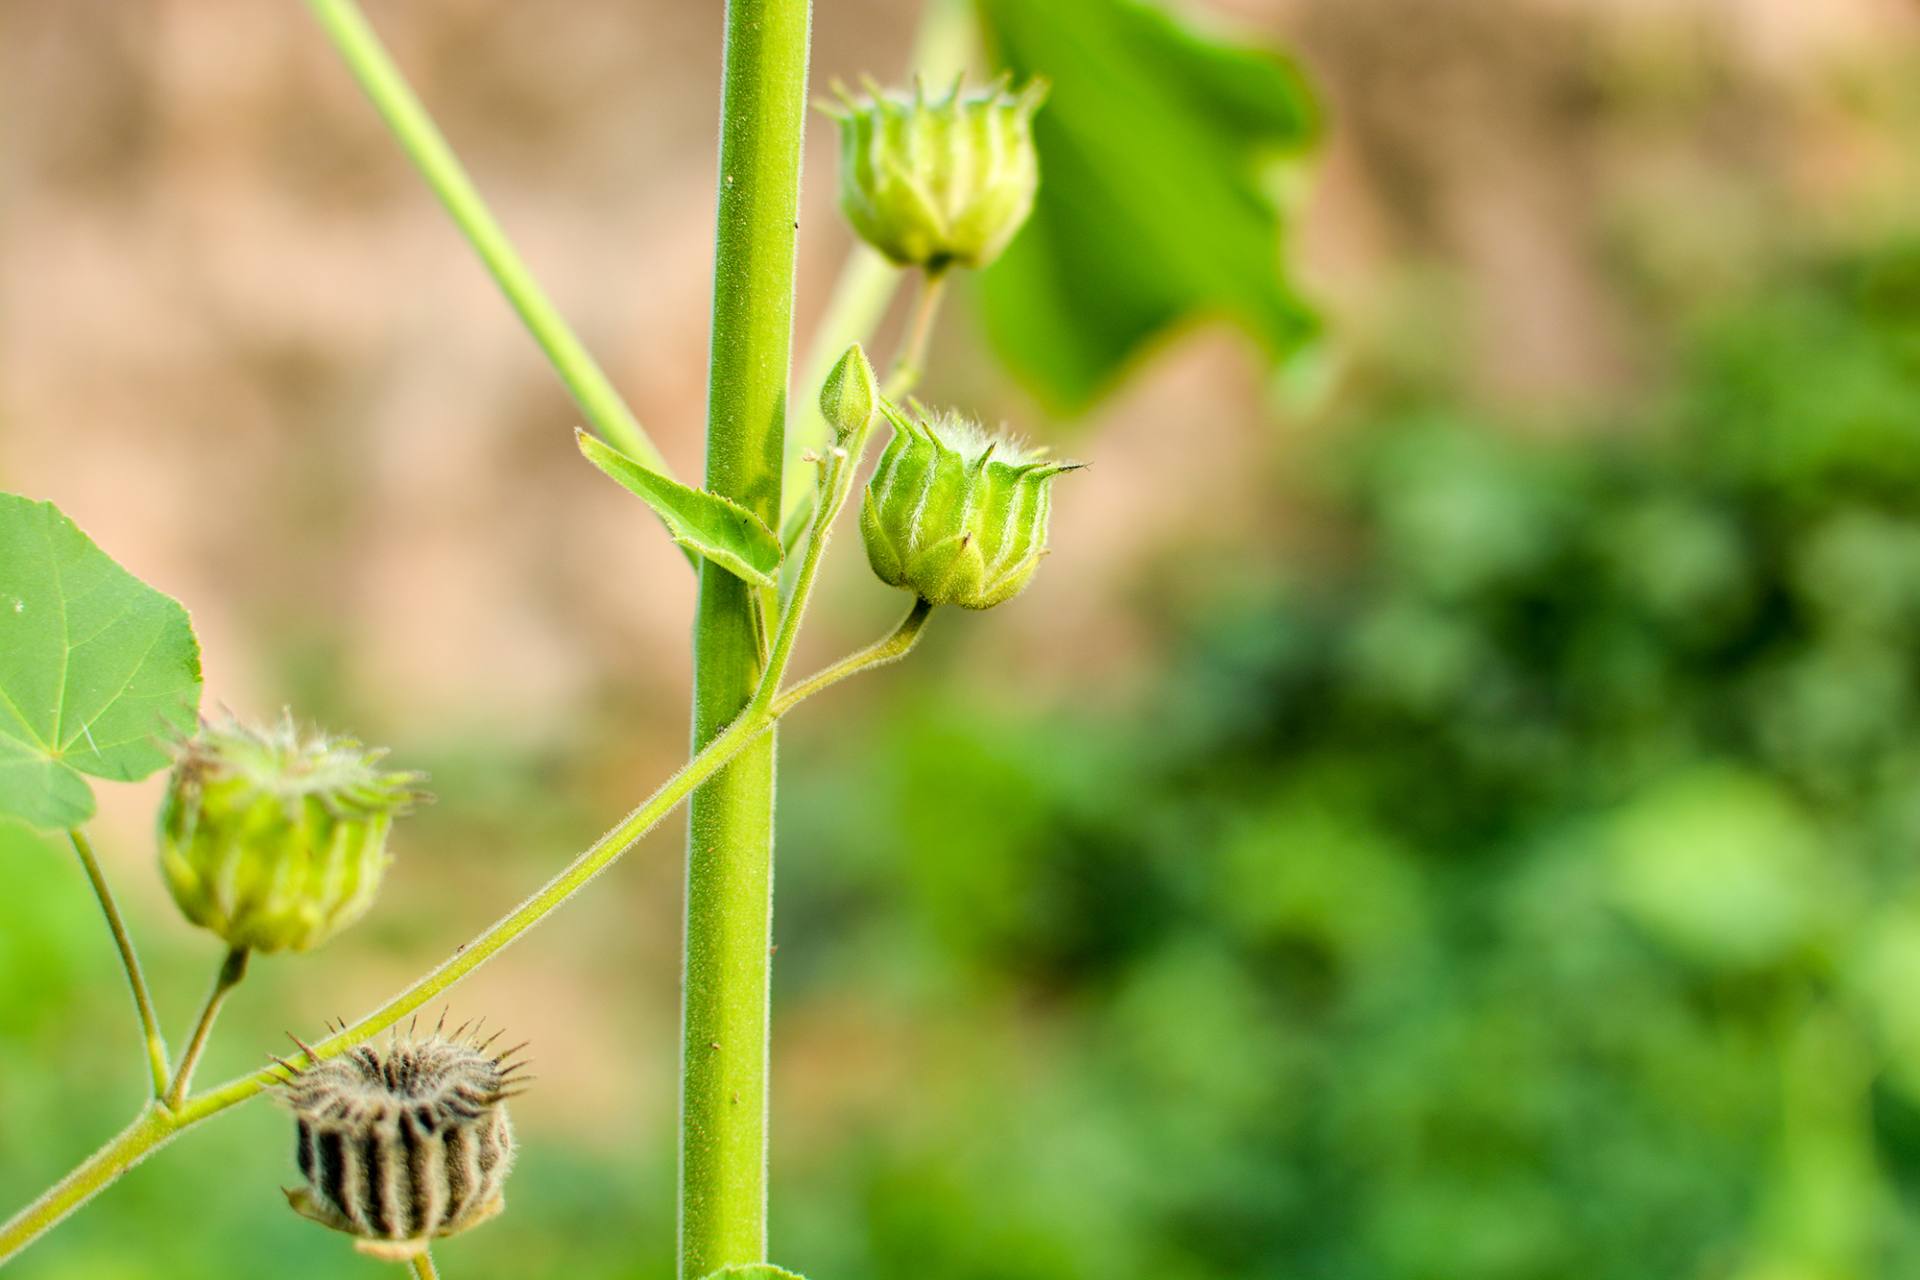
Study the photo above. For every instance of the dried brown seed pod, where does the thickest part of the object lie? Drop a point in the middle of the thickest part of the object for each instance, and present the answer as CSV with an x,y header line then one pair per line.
x,y
404,1143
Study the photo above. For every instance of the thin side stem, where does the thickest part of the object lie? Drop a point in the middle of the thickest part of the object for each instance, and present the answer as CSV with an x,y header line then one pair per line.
x,y
232,970
842,467
729,904
129,960
911,362
156,1126
896,646
424,144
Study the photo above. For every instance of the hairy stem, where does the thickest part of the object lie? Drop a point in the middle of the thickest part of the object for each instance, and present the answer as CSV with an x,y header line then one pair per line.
x,y
424,144
840,468
156,1126
129,960
423,1268
232,970
895,647
152,1129
723,1096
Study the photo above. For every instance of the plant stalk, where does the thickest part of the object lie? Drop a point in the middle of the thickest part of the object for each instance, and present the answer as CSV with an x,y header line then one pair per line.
x,y
129,960
232,970
729,908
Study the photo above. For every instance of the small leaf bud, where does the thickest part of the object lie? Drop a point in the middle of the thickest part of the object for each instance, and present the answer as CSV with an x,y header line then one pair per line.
x,y
850,394
276,841
941,182
956,515
403,1144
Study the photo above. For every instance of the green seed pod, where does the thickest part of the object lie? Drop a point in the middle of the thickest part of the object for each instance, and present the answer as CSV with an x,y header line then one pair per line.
x,y
276,841
403,1145
955,515
943,182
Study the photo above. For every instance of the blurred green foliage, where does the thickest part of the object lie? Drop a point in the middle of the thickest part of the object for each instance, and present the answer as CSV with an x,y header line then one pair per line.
x,y
1516,883
1521,888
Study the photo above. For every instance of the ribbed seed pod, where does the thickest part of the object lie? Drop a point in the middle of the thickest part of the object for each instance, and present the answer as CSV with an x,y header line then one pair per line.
x,y
956,515
943,181
404,1144
274,840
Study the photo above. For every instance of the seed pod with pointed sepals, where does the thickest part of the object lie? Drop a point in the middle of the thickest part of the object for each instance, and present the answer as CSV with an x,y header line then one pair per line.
x,y
939,182
403,1144
956,515
276,840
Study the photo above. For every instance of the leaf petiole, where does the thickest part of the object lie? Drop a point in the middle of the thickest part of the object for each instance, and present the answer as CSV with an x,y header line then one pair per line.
x,y
129,959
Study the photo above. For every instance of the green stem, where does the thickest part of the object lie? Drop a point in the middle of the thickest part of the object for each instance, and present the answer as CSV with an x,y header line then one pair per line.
x,y
911,362
129,960
841,468
895,647
232,970
155,1127
423,1268
723,1120
424,144
152,1129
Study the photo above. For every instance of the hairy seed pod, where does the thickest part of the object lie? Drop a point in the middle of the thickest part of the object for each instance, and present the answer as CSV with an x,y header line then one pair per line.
x,y
943,181
956,515
276,840
404,1144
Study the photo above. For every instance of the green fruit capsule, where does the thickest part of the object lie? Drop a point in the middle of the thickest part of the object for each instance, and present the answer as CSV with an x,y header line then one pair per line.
x,y
276,841
942,182
956,515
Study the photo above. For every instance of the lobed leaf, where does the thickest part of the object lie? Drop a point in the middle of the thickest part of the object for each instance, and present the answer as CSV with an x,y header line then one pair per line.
x,y
97,669
754,1271
704,523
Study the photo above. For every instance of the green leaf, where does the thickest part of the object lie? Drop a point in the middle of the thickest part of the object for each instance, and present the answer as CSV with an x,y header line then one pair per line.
x,y
704,523
97,669
1160,153
754,1271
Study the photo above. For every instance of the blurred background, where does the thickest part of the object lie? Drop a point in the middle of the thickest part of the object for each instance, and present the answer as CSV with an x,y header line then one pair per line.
x,y
1449,809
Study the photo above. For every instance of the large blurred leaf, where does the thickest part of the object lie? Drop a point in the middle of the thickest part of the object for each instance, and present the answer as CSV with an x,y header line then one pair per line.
x,y
96,668
1158,152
